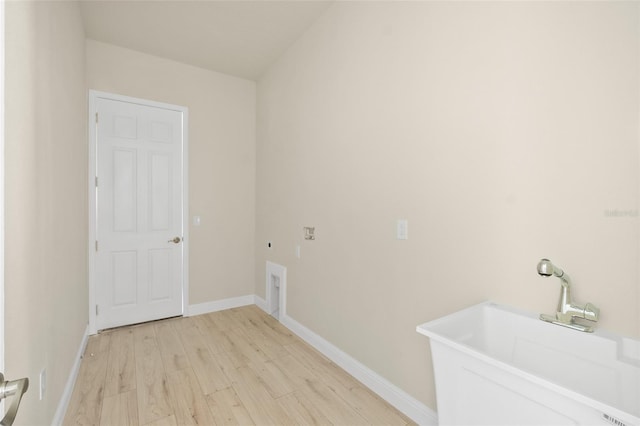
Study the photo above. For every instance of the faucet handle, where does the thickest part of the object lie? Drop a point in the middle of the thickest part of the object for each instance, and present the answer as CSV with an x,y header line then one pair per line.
x,y
591,312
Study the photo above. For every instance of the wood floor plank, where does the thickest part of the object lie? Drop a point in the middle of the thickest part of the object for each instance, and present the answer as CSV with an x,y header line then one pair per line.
x,y
262,408
240,352
331,405
208,372
235,316
217,340
373,408
362,400
267,344
275,380
97,343
171,350
227,366
295,371
227,409
88,394
243,344
120,409
164,421
224,320
320,365
121,370
270,326
151,383
237,358
302,410
206,319
307,375
189,404
185,322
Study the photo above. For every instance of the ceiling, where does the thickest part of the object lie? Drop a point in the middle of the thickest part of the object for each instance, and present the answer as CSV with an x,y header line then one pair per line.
x,y
237,37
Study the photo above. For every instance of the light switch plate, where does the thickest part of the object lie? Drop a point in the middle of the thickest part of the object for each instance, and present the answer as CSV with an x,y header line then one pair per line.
x,y
402,229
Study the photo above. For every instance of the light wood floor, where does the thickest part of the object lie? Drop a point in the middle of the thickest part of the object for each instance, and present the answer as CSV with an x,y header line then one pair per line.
x,y
238,366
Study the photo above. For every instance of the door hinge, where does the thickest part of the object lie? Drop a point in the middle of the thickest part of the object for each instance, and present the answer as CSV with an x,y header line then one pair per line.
x,y
96,245
96,181
96,117
96,309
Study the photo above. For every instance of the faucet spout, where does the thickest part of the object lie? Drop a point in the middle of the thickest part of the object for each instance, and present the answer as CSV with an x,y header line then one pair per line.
x,y
567,310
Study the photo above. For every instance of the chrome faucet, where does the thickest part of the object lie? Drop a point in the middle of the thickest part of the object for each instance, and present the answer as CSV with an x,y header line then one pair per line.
x,y
567,311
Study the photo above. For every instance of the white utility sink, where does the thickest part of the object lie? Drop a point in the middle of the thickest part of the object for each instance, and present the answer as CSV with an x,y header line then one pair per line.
x,y
495,364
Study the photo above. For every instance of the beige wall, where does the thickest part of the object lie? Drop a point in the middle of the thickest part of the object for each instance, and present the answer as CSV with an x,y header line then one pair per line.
x,y
46,202
504,133
221,158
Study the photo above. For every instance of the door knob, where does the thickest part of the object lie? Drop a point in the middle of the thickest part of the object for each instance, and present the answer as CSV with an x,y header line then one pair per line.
x,y
9,388
176,240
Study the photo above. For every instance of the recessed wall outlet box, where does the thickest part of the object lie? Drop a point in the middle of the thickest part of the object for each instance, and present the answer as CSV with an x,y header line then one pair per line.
x,y
309,233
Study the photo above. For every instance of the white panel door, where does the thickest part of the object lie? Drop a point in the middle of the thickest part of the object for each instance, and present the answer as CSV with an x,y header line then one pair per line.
x,y
139,250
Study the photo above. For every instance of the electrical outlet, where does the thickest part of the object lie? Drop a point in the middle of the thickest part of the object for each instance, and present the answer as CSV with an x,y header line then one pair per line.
x,y
43,383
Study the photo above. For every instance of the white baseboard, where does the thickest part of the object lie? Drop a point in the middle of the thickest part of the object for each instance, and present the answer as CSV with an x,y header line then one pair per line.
x,y
405,403
58,417
260,302
220,305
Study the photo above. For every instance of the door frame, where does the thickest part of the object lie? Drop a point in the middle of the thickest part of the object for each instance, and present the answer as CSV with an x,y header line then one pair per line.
x,y
94,95
2,101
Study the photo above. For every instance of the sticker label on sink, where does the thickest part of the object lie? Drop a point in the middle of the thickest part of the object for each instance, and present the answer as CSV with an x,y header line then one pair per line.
x,y
613,420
